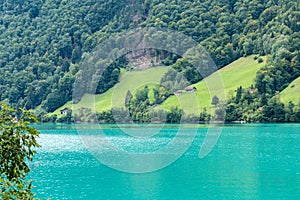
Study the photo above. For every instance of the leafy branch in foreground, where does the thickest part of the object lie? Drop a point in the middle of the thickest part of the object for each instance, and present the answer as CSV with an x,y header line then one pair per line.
x,y
17,147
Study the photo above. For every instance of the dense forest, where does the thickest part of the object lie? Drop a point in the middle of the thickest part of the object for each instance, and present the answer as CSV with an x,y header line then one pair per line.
x,y
43,43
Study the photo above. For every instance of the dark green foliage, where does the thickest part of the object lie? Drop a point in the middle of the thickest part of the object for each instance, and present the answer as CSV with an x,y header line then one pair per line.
x,y
120,115
40,40
141,96
238,96
290,114
42,43
76,54
260,60
108,79
174,116
204,116
140,106
17,147
161,93
274,111
105,117
297,114
251,106
215,100
232,113
174,80
128,99
220,113
188,70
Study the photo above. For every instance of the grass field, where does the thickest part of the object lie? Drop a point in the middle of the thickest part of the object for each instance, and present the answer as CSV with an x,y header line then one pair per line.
x,y
115,97
291,93
222,83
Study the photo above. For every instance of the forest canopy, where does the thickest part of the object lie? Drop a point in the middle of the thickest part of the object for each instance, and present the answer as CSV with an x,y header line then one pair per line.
x,y
43,42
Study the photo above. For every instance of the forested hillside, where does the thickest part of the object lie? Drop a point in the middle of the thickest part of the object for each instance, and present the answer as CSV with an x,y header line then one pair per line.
x,y
43,42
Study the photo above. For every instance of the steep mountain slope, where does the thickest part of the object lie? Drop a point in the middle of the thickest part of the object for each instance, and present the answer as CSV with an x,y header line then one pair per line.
x,y
43,42
115,97
241,72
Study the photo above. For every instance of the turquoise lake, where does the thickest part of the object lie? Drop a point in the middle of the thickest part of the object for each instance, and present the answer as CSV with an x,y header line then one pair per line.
x,y
249,161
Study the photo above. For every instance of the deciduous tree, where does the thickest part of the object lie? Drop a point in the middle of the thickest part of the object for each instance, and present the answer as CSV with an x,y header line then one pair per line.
x,y
18,144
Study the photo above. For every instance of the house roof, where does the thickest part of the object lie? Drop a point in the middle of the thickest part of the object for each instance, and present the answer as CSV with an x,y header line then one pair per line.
x,y
178,91
189,88
66,109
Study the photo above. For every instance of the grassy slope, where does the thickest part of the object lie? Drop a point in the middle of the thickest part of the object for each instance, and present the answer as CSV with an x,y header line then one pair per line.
x,y
291,93
239,73
115,97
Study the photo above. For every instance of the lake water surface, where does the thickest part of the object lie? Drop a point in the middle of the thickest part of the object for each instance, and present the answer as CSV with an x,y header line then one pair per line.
x,y
252,161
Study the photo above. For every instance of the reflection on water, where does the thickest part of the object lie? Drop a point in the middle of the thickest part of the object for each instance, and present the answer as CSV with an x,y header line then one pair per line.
x,y
248,162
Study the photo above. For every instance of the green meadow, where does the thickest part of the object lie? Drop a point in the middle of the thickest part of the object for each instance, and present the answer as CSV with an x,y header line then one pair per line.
x,y
291,93
222,84
115,97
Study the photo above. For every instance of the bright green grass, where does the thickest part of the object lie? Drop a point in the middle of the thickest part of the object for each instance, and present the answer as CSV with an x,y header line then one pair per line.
x,y
222,83
115,97
291,93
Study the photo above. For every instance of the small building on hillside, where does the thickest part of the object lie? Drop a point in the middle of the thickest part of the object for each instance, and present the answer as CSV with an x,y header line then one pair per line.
x,y
178,93
251,91
65,111
190,89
